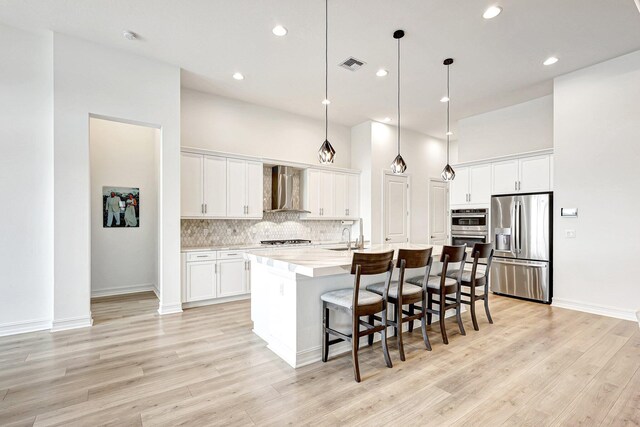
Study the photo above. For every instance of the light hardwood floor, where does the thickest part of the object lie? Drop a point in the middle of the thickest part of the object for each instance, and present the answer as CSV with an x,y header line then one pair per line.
x,y
536,365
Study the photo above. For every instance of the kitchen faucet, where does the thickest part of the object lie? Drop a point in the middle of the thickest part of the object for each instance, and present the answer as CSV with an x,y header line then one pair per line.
x,y
348,229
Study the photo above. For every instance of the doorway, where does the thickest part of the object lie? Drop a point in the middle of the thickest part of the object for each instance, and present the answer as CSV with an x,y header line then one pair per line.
x,y
395,201
438,212
124,166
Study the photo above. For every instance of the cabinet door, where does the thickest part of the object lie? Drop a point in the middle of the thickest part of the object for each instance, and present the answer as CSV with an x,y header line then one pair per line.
x,y
232,278
505,177
201,280
236,188
480,184
255,190
327,195
535,174
460,187
341,193
353,197
191,203
312,193
215,186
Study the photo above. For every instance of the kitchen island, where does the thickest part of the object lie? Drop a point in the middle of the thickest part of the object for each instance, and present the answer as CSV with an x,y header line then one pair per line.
x,y
286,309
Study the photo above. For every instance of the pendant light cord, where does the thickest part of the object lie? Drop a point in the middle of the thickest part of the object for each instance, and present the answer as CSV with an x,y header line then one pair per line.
x,y
448,106
326,69
398,96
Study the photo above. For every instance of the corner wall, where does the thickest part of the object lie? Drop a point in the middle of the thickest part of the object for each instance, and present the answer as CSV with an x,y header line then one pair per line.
x,y
26,181
92,79
596,159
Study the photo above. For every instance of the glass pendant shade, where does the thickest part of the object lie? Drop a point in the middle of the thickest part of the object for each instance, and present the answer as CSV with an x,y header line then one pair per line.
x,y
448,174
326,153
398,165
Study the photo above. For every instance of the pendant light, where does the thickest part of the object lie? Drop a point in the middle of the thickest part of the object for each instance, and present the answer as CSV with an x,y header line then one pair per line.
x,y
448,174
398,165
326,153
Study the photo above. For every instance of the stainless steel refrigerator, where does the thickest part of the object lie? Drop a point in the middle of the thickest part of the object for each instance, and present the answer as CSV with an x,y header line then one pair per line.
x,y
522,234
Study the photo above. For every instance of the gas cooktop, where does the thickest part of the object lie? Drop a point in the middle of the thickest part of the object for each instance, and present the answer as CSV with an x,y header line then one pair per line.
x,y
285,242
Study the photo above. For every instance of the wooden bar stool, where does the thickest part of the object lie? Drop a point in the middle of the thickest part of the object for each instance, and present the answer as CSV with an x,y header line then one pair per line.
x,y
359,303
441,286
408,294
476,279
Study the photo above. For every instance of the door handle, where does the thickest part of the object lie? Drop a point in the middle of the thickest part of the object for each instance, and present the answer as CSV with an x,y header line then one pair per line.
x,y
205,208
387,239
515,185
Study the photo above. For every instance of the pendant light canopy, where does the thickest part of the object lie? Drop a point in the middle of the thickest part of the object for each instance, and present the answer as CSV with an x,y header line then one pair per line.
x,y
398,165
326,153
448,174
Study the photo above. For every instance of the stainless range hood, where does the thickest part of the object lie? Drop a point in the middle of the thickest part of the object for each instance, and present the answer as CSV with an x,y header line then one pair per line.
x,y
282,190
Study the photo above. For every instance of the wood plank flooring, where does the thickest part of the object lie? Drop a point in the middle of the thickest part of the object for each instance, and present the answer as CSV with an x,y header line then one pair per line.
x,y
536,365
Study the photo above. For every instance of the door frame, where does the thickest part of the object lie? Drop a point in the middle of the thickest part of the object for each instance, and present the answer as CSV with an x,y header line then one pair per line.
x,y
387,172
448,207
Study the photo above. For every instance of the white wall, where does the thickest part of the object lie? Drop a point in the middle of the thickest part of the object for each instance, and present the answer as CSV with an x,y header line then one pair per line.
x,y
597,154
512,130
91,79
26,181
425,157
223,124
123,260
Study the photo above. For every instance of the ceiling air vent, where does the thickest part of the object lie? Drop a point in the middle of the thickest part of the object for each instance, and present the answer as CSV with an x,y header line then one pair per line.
x,y
352,64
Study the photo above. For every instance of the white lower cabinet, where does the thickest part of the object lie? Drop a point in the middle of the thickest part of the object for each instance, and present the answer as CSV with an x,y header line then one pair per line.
x,y
201,280
211,275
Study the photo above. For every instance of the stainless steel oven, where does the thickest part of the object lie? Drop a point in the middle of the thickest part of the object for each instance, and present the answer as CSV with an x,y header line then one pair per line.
x,y
469,226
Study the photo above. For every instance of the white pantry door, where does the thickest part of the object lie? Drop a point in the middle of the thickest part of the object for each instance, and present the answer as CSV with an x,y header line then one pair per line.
x,y
395,208
438,212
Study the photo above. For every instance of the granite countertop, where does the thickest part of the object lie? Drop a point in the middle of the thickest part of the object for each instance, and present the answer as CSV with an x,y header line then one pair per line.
x,y
249,246
316,262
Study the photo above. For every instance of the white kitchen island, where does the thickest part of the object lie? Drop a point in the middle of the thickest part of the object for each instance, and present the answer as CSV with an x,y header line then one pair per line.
x,y
286,285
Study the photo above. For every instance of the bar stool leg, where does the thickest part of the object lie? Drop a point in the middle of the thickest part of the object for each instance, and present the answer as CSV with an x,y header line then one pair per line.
x,y
385,348
398,330
429,306
370,336
355,339
486,303
325,334
459,312
411,313
425,337
441,314
472,305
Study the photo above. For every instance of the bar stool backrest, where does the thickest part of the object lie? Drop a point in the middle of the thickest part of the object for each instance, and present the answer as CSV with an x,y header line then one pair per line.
x,y
452,255
414,258
370,264
482,251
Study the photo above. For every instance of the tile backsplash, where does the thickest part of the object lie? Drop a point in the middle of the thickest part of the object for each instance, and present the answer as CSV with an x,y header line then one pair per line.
x,y
273,225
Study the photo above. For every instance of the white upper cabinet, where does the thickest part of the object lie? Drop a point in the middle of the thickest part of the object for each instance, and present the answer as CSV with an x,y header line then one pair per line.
x,y
331,195
524,175
471,186
460,186
191,183
220,187
505,177
535,174
215,186
245,187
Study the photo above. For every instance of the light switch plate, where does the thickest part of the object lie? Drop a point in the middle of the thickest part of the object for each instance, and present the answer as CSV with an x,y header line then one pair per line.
x,y
570,234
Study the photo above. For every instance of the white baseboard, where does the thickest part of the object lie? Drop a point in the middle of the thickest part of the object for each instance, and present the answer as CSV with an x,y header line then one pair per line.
x,y
71,323
215,301
13,328
602,310
156,291
133,289
170,309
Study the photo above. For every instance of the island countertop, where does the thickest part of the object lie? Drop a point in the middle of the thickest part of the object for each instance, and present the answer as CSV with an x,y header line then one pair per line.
x,y
318,262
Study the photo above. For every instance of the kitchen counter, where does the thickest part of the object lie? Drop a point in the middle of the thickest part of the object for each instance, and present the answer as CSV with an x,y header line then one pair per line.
x,y
286,286
249,246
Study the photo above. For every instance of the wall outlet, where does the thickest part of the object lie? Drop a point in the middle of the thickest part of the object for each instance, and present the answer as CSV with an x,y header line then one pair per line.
x,y
570,234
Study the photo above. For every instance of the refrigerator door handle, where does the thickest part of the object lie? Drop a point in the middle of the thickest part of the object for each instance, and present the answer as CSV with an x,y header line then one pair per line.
x,y
517,228
533,264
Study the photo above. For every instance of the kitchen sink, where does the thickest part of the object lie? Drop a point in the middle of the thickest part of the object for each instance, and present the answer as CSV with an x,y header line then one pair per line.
x,y
339,249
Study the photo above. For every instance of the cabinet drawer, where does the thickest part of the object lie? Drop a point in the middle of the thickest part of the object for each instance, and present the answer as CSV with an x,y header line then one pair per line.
x,y
230,254
201,256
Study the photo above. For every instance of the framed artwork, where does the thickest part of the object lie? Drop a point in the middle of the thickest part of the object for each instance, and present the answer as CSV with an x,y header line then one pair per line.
x,y
120,207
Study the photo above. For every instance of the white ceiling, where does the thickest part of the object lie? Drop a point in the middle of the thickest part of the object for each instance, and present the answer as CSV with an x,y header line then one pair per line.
x,y
498,62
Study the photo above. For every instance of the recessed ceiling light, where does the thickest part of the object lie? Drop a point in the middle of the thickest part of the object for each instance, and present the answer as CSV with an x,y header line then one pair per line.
x,y
129,35
238,76
444,99
279,31
449,133
381,72
326,102
550,60
386,119
492,12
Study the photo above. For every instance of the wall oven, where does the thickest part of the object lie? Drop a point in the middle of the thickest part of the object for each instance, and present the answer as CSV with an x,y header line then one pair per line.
x,y
469,226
